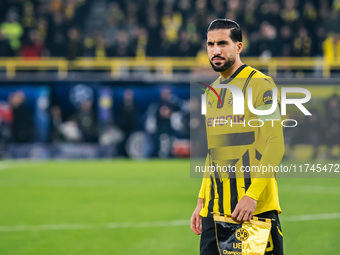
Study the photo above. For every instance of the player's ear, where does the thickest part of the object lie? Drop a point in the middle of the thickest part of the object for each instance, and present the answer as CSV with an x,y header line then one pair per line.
x,y
239,46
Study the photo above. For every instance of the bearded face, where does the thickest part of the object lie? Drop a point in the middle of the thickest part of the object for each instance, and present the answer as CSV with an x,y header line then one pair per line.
x,y
222,50
220,66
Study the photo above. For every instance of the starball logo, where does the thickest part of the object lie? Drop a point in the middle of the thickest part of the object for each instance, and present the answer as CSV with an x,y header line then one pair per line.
x,y
270,98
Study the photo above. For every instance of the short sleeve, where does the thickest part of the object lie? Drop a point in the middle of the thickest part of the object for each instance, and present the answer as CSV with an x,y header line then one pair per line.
x,y
264,92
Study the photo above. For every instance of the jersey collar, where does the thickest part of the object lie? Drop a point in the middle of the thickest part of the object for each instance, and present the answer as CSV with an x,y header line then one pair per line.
x,y
233,75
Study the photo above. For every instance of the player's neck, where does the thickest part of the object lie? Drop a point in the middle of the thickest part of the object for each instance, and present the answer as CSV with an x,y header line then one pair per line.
x,y
228,73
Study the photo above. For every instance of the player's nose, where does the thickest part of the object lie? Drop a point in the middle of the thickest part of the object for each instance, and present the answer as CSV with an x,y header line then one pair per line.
x,y
216,51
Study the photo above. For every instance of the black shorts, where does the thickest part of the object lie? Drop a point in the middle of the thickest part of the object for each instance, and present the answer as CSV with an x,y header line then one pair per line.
x,y
208,244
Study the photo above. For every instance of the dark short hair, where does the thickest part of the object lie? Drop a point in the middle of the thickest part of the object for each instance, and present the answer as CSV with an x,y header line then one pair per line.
x,y
235,29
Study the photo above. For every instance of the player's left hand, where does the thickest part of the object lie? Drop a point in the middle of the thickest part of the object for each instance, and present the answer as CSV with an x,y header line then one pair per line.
x,y
244,209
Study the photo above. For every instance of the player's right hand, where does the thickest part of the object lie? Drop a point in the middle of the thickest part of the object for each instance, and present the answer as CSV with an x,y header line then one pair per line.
x,y
196,221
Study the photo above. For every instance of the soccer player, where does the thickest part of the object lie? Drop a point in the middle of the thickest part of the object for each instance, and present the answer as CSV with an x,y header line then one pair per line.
x,y
232,141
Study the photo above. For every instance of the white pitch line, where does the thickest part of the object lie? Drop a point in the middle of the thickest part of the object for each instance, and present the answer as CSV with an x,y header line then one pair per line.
x,y
4,167
310,189
150,224
12,167
311,217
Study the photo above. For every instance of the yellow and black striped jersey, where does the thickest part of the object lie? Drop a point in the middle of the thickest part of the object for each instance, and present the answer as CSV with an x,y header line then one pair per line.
x,y
235,140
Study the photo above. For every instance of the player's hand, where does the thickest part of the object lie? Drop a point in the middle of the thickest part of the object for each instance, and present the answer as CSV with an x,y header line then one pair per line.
x,y
196,218
244,209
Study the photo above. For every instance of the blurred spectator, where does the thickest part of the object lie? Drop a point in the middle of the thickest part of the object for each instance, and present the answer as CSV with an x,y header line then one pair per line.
x,y
87,122
115,15
127,117
270,12
196,124
22,118
310,15
111,31
333,109
290,14
158,122
5,47
312,131
155,28
184,7
141,42
56,121
164,109
12,29
184,48
5,113
331,21
332,137
28,18
331,47
74,47
266,42
124,46
132,17
171,22
56,36
34,46
302,44
248,19
95,46
285,42
5,123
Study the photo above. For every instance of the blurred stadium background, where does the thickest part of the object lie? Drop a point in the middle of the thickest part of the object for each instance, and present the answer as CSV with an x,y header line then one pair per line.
x,y
109,80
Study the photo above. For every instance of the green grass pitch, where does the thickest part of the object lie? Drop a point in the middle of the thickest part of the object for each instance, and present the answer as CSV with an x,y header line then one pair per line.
x,y
126,207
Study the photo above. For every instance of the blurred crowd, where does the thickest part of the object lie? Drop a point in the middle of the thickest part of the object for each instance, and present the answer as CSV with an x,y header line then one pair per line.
x,y
322,128
71,28
167,121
